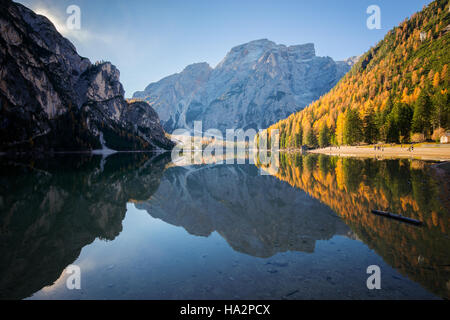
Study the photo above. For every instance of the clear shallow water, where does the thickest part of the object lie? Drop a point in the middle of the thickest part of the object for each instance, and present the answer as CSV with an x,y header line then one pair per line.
x,y
140,228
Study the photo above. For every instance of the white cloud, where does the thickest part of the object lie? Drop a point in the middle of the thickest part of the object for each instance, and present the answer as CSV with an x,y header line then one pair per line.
x,y
83,35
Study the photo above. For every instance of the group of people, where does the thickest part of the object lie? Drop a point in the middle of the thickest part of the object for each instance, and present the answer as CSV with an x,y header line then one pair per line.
x,y
381,148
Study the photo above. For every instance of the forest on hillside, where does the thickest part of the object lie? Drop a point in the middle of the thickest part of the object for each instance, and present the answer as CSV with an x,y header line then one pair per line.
x,y
398,92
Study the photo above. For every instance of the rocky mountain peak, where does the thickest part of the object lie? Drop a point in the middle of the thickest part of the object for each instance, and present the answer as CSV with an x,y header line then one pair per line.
x,y
351,61
255,85
246,53
256,45
197,71
51,99
304,51
197,67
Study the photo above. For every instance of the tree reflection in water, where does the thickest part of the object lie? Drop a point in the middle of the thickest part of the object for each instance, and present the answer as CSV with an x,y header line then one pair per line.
x,y
51,208
353,187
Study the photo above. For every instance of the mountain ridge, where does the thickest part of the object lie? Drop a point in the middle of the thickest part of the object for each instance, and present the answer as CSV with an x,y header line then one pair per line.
x,y
52,99
255,84
396,93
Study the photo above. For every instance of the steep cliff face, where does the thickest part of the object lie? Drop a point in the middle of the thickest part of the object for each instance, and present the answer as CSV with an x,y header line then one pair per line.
x,y
257,84
146,124
53,99
171,95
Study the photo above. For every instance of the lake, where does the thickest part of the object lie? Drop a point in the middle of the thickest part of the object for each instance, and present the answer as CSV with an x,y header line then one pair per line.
x,y
141,227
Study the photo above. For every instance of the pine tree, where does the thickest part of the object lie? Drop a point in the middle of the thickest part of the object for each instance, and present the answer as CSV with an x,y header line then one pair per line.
x,y
403,116
382,119
422,113
352,128
398,123
369,127
392,133
324,136
299,139
340,129
436,79
441,113
311,139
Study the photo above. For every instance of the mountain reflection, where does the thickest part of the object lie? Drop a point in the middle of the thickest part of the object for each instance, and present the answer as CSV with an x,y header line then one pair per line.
x,y
257,215
51,208
354,187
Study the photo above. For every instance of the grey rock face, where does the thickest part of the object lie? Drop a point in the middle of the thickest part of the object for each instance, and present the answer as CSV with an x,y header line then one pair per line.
x,y
53,99
257,84
146,124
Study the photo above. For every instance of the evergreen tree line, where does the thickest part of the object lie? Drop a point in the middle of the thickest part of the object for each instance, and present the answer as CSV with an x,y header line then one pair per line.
x,y
398,92
399,122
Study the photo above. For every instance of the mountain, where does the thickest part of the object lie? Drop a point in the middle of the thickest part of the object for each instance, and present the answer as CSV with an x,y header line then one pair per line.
x,y
53,99
397,92
256,84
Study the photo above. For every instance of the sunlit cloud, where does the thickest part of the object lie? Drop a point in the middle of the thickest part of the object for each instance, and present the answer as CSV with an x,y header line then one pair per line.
x,y
83,35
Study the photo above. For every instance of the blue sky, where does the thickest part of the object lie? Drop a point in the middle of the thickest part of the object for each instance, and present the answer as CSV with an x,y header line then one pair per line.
x,y
150,39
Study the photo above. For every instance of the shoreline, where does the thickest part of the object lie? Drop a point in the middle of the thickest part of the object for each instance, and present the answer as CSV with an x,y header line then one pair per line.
x,y
99,152
429,152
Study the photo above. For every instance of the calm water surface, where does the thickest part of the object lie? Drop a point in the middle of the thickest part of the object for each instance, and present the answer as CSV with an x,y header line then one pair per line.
x,y
140,227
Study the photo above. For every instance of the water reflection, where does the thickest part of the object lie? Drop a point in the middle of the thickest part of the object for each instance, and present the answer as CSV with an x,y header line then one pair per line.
x,y
51,208
354,187
290,233
256,215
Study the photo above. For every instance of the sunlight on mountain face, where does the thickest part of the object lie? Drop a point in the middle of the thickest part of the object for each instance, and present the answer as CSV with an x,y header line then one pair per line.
x,y
80,35
58,23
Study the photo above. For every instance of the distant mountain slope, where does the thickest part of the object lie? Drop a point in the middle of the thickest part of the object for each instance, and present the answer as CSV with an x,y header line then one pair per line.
x,y
53,99
257,84
398,91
